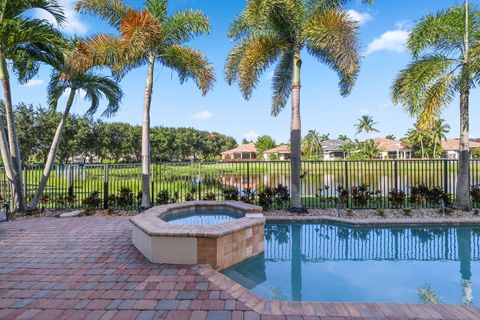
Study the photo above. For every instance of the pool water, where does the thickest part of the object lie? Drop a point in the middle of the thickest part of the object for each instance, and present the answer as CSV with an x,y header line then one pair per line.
x,y
336,263
202,218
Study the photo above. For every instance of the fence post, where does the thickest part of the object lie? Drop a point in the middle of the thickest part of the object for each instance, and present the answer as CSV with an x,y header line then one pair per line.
x,y
396,174
105,186
445,175
152,189
70,182
199,181
25,182
346,181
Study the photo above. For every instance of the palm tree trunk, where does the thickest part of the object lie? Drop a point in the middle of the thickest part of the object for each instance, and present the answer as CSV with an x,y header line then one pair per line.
x,y
14,146
146,203
463,177
296,137
53,152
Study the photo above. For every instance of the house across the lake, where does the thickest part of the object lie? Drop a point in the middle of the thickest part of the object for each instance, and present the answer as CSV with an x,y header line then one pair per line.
x,y
392,149
281,152
332,150
451,148
243,152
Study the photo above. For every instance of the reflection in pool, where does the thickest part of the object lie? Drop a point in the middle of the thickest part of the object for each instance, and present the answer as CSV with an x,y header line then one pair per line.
x,y
324,262
202,218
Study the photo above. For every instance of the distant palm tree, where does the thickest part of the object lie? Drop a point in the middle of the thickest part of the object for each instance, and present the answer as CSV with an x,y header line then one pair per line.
x,y
446,50
417,137
275,32
312,144
439,134
146,37
369,149
20,36
65,80
366,125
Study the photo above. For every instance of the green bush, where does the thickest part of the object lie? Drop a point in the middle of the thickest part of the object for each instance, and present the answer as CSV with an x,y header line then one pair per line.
x,y
231,193
270,197
125,198
210,196
92,202
396,197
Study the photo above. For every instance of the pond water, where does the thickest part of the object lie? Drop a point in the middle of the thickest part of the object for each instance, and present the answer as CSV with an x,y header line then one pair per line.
x,y
202,218
336,263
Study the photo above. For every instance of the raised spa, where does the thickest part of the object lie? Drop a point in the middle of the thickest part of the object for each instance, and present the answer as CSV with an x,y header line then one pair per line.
x,y
219,233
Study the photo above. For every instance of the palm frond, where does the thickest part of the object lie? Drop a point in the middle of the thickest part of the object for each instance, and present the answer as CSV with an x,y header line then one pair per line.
x,y
184,25
189,64
411,85
140,32
111,11
332,37
158,8
17,8
232,63
282,82
21,32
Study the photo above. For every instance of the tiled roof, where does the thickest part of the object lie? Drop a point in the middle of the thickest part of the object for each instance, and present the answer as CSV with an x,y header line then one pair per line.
x,y
249,147
454,145
333,145
280,149
389,144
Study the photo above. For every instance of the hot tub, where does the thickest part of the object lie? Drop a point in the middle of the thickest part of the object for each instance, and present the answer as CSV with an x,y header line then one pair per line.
x,y
219,233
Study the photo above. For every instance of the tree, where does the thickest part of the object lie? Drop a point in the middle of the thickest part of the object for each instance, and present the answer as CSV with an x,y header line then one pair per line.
x,y
366,125
446,51
391,137
439,134
369,149
312,144
20,36
264,143
148,36
269,32
66,80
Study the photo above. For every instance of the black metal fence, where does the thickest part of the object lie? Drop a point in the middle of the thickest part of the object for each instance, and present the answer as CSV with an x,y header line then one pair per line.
x,y
324,184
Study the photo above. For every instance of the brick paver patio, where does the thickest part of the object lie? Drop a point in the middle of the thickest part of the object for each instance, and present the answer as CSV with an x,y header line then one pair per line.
x,y
86,268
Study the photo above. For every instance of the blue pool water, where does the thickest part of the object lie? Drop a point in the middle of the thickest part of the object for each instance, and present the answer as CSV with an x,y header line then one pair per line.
x,y
336,263
202,218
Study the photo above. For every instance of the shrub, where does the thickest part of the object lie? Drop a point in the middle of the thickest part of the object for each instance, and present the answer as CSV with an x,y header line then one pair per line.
x,y
273,196
248,196
407,212
65,201
44,199
475,193
231,193
162,197
360,195
210,196
396,197
381,212
343,195
125,197
191,194
92,202
418,194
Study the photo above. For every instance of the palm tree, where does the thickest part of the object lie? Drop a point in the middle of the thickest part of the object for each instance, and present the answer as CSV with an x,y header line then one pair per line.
x,y
65,80
19,37
147,37
418,138
312,144
446,51
439,134
365,124
275,32
369,149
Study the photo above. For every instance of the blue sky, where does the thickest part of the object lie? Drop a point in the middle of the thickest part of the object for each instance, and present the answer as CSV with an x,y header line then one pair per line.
x,y
384,29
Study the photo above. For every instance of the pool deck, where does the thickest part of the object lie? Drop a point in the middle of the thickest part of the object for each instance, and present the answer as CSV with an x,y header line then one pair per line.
x,y
87,268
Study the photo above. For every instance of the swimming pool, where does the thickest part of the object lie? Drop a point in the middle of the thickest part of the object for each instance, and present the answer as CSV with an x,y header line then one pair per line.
x,y
337,263
202,217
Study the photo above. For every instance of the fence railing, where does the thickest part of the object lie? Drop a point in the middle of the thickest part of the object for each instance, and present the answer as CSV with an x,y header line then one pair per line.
x,y
321,184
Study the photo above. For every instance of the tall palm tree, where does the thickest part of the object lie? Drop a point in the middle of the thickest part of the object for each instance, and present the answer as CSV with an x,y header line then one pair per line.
x,y
19,36
312,144
446,51
366,124
67,81
369,149
271,32
146,37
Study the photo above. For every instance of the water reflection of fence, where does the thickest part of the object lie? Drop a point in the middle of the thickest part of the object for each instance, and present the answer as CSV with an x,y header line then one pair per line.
x,y
319,242
187,180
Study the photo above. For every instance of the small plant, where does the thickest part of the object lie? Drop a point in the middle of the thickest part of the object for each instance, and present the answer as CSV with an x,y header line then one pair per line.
x,y
248,196
270,197
65,201
418,194
111,201
381,212
428,296
125,197
231,193
349,212
92,202
396,197
162,197
407,212
360,195
175,197
190,195
44,199
343,195
475,193
210,196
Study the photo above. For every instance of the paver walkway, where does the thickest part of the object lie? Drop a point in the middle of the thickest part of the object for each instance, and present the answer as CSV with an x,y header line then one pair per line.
x,y
86,268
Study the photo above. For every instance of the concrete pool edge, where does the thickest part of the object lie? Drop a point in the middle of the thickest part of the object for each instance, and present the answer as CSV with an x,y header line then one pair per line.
x,y
381,222
336,309
221,245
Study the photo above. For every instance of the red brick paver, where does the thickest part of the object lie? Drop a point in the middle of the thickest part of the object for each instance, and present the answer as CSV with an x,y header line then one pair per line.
x,y
86,268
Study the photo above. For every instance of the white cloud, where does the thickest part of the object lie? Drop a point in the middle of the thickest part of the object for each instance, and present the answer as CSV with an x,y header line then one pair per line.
x,y
33,83
202,115
251,135
360,17
73,23
392,40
